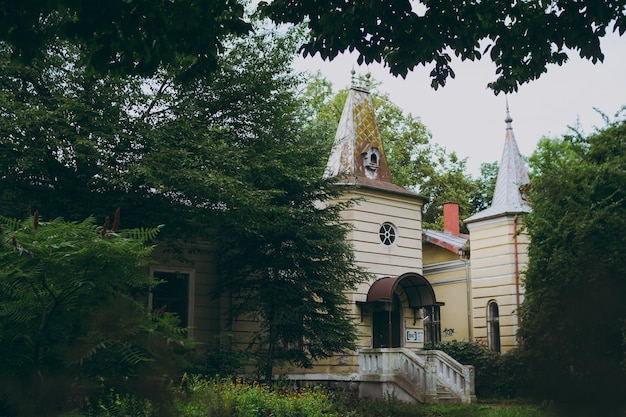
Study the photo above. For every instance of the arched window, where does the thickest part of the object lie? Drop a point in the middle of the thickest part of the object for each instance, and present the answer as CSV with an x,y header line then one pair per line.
x,y
371,159
493,325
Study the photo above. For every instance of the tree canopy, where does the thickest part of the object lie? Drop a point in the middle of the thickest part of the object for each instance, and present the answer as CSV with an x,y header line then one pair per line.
x,y
521,37
221,159
573,316
125,37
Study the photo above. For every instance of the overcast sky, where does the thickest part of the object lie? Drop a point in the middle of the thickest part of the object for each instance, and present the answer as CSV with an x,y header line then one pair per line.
x,y
466,117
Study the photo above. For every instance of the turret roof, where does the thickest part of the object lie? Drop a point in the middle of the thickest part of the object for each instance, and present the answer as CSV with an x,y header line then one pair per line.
x,y
358,155
512,175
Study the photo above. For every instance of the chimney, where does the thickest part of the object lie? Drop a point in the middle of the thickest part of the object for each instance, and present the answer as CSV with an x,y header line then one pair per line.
x,y
451,218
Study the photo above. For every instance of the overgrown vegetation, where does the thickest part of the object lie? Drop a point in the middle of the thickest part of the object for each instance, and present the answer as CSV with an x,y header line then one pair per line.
x,y
203,397
198,396
574,315
72,314
496,376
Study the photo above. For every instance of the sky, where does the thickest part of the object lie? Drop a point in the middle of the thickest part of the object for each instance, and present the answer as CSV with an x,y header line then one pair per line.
x,y
467,118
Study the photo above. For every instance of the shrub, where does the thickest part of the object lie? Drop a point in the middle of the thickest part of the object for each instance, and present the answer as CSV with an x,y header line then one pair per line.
x,y
200,397
496,376
486,364
114,404
68,313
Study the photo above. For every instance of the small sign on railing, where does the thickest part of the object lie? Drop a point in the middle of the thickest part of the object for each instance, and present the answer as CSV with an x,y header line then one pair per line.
x,y
415,335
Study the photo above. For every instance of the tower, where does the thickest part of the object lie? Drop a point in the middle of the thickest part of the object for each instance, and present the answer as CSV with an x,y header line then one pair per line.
x,y
499,252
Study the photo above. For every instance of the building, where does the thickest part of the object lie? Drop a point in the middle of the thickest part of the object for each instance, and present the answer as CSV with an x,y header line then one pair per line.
x,y
421,290
481,271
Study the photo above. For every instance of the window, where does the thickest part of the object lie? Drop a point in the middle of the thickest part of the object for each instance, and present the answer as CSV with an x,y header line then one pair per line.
x,y
387,234
493,326
432,324
174,294
371,158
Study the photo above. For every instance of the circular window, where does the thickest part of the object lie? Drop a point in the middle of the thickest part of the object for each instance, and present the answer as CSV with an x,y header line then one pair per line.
x,y
387,234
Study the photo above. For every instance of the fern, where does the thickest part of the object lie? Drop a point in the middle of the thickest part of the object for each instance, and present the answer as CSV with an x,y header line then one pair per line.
x,y
10,225
142,234
68,306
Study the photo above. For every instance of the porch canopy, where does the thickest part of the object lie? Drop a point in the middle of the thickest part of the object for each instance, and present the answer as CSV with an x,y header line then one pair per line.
x,y
418,290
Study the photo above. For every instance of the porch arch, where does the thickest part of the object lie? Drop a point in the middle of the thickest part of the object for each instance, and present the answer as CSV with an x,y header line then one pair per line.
x,y
381,297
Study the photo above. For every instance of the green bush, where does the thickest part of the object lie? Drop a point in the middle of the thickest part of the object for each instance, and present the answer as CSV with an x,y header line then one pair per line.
x,y
71,312
219,361
496,375
200,397
486,364
110,403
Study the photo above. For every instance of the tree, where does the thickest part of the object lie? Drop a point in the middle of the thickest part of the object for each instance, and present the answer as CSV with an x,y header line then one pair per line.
x,y
482,196
237,143
66,138
282,243
573,316
221,158
521,38
449,182
289,265
69,313
125,37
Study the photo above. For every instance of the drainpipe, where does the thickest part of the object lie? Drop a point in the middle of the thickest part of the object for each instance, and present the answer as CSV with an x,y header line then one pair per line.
x,y
516,260
463,255
469,300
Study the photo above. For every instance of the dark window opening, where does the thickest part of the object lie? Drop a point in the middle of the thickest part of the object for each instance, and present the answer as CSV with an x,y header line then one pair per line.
x,y
432,324
387,324
493,326
172,295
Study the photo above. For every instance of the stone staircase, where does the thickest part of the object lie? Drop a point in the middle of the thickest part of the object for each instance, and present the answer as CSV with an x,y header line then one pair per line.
x,y
425,376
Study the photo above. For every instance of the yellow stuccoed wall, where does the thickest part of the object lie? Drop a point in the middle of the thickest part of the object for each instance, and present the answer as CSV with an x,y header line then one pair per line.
x,y
493,269
447,274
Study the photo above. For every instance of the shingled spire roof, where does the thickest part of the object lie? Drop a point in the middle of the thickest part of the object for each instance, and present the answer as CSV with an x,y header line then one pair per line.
x,y
512,174
358,155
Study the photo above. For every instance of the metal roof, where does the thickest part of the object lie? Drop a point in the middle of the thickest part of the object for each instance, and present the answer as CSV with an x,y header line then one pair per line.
x,y
357,137
445,240
512,174
356,134
417,288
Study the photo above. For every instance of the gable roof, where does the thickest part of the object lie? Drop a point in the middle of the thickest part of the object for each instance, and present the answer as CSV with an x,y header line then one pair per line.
x,y
512,174
446,240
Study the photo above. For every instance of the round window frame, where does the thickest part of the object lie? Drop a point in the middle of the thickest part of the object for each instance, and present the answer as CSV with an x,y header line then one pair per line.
x,y
388,234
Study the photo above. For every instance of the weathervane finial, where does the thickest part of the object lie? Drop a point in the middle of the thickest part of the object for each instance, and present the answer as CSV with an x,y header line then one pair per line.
x,y
508,118
361,82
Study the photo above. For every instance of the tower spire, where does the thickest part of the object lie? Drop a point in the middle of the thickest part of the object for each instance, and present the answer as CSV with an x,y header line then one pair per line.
x,y
358,147
512,174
